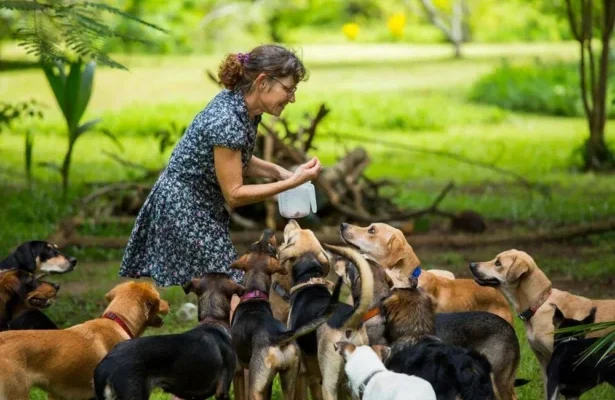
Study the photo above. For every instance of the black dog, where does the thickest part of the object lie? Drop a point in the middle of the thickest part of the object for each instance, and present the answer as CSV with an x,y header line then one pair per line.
x,y
40,256
196,364
22,296
454,372
564,376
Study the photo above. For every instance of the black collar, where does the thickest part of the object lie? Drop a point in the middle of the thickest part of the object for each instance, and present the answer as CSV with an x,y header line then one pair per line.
x,y
281,291
363,384
564,341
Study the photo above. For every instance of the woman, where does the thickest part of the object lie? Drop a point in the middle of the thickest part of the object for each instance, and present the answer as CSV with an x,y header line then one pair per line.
x,y
182,230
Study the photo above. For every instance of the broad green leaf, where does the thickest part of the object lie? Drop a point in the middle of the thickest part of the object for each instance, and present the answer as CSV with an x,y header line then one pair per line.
x,y
85,90
86,127
73,83
57,83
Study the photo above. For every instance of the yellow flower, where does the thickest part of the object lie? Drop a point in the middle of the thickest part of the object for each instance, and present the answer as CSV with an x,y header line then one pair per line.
x,y
351,30
396,24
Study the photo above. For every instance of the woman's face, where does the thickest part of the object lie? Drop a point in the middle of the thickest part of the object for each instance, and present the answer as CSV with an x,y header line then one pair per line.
x,y
276,93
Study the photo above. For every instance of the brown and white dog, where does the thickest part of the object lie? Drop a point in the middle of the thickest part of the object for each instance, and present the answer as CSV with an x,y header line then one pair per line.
x,y
62,362
388,247
529,290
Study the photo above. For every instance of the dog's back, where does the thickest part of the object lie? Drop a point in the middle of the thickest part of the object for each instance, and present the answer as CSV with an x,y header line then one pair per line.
x,y
190,365
366,371
454,372
564,374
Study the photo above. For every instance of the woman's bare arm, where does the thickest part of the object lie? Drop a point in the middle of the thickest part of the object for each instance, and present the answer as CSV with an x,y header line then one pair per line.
x,y
260,168
229,172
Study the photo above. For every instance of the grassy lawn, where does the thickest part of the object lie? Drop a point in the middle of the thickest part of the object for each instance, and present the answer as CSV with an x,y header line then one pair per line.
x,y
402,95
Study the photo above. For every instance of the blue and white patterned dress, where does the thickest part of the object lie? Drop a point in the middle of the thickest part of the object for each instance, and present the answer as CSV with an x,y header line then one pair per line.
x,y
182,230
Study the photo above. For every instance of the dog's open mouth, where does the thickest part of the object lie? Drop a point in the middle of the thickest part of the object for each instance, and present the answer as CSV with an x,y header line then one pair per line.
x,y
39,302
487,281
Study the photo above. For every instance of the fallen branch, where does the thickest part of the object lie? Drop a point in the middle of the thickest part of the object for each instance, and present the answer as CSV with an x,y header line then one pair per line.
x,y
245,238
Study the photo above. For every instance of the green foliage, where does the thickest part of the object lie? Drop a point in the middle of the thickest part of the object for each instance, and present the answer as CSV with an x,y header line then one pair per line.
x,y
72,92
551,89
54,29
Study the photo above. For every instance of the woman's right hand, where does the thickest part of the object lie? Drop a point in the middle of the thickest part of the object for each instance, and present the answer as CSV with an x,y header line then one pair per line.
x,y
307,172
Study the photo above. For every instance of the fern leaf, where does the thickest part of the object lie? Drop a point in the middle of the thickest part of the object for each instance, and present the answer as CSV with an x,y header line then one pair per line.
x,y
23,5
113,10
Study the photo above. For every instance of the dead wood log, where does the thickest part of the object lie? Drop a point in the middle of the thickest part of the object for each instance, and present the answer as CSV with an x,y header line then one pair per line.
x,y
243,238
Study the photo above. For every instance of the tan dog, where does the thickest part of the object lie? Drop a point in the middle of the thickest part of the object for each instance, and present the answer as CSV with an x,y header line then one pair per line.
x,y
62,362
308,264
388,247
529,290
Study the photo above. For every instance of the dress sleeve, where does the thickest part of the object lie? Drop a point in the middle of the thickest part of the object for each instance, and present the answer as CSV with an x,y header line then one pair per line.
x,y
227,131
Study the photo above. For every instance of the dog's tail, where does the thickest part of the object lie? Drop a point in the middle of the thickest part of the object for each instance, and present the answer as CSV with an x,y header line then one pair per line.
x,y
289,336
367,284
521,382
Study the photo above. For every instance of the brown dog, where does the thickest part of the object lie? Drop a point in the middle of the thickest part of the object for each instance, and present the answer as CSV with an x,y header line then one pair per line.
x,y
516,274
388,247
308,263
62,362
19,291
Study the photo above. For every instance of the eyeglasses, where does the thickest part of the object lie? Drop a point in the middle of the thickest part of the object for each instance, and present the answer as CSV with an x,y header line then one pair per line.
x,y
288,90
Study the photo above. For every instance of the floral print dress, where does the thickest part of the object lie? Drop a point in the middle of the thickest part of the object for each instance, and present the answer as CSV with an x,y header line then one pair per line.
x,y
182,230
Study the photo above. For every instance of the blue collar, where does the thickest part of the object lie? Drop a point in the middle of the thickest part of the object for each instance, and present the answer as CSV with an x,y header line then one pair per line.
x,y
417,272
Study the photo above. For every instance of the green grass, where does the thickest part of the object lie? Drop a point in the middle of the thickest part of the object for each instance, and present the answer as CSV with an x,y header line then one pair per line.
x,y
406,95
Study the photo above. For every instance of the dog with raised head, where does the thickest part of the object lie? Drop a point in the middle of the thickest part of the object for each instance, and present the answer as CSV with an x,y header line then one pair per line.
x,y
308,263
21,298
565,375
62,361
517,276
482,331
39,256
263,344
196,364
388,247
370,380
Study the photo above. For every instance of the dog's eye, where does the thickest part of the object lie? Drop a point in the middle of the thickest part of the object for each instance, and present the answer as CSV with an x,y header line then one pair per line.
x,y
498,263
371,230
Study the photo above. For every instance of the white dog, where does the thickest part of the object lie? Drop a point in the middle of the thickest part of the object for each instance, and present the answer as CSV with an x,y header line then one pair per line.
x,y
370,380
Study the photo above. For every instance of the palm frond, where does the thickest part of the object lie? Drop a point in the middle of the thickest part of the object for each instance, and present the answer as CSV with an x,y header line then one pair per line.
x,y
24,5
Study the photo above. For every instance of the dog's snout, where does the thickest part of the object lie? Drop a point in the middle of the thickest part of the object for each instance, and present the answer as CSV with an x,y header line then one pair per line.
x,y
73,261
56,286
473,266
344,226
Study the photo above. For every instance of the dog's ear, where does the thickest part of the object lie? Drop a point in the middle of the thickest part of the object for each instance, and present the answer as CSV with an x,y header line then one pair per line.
x,y
240,264
276,267
232,288
193,286
343,347
591,318
383,352
26,255
395,251
519,267
558,316
111,294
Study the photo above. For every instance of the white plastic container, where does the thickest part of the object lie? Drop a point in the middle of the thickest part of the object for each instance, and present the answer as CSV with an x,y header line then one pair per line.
x,y
297,202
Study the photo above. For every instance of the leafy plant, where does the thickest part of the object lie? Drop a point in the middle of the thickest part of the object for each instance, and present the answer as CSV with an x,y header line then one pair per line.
x,y
72,92
607,341
52,27
19,111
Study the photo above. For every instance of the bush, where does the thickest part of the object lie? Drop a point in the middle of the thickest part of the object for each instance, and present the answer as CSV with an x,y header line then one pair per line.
x,y
551,89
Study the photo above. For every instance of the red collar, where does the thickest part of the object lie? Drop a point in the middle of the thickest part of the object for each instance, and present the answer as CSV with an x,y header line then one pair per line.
x,y
526,315
254,295
114,317
371,314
